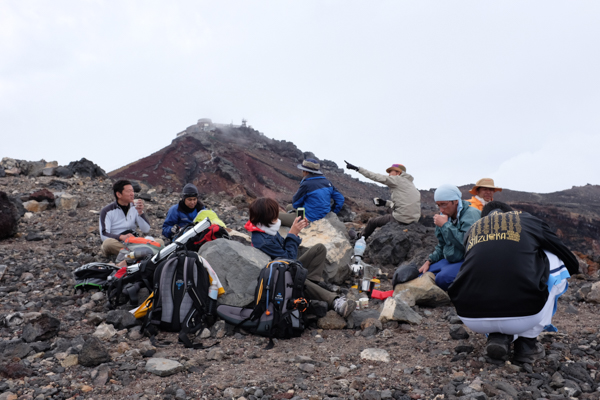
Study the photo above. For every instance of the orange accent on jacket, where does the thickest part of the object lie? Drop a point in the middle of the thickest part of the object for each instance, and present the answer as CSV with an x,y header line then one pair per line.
x,y
475,203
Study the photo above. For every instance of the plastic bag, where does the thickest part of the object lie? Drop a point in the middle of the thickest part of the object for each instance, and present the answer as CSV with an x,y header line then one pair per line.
x,y
405,273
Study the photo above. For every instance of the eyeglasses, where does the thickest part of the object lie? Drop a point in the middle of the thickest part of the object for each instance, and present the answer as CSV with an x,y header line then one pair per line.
x,y
444,204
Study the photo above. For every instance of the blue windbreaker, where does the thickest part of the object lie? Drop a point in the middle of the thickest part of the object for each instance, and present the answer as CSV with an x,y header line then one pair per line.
x,y
176,216
315,194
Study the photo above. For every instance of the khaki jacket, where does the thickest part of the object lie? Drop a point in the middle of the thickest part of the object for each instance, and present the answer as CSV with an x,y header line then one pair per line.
x,y
406,199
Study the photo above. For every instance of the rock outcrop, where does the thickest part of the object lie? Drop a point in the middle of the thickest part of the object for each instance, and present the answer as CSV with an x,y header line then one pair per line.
x,y
9,217
237,267
330,232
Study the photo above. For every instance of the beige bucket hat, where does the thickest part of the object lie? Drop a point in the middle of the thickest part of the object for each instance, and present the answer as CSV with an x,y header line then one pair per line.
x,y
486,183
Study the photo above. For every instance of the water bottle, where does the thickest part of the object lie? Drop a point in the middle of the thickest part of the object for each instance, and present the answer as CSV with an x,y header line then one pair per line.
x,y
213,291
359,247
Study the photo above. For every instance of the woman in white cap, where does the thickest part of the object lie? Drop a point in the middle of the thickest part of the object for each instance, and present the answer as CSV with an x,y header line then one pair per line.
x,y
483,193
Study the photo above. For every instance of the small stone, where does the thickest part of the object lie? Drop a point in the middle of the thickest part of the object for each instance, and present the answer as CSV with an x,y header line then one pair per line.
x,y
375,355
163,366
205,334
104,331
458,332
331,320
310,368
70,361
93,353
67,202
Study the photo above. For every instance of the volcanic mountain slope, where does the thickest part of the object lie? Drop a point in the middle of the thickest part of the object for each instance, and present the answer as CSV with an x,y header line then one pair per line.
x,y
240,161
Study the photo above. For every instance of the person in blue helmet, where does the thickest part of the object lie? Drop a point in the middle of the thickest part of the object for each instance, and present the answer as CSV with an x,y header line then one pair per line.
x,y
316,194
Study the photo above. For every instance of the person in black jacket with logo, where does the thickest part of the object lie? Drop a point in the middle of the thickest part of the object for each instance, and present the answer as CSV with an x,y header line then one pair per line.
x,y
515,269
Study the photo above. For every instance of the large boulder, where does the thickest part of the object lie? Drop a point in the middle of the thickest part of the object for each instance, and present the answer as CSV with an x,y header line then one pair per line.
x,y
86,168
394,244
330,232
9,217
237,267
422,291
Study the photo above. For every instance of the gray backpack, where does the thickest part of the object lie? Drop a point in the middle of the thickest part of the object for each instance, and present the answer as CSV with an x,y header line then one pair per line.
x,y
181,302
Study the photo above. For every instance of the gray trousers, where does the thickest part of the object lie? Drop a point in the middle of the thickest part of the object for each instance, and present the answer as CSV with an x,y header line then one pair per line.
x,y
314,261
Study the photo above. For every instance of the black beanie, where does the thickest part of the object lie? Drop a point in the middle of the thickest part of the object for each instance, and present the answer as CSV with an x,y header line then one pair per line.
x,y
189,190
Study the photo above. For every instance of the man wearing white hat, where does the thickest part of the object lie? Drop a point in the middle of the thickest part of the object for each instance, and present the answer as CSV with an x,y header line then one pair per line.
x,y
451,225
483,193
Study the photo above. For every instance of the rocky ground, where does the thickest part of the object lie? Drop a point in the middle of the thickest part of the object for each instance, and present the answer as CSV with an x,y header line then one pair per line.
x,y
55,343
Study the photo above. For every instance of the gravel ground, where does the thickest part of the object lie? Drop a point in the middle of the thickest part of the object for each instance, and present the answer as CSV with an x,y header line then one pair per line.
x,y
423,361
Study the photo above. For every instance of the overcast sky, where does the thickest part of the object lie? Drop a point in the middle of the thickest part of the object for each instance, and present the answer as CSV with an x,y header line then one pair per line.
x,y
455,90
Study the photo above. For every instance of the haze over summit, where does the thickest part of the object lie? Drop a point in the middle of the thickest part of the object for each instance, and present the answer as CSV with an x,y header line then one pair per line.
x,y
454,91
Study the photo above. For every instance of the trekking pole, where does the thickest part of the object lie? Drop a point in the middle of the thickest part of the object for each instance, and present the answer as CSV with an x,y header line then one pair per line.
x,y
179,242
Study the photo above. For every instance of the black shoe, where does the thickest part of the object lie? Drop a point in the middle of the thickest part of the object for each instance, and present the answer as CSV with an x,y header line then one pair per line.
x,y
527,350
498,345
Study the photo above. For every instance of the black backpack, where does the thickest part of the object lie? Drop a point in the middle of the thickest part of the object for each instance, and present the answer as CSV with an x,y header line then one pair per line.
x,y
278,305
122,287
181,302
93,275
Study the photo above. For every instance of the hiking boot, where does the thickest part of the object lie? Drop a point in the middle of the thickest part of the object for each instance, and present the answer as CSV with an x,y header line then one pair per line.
x,y
527,350
343,306
498,345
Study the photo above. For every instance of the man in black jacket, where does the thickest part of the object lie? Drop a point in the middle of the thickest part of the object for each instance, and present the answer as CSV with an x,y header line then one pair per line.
x,y
515,269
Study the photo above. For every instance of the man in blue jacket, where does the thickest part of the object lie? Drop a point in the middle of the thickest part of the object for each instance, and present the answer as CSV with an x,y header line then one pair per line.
x,y
316,192
184,212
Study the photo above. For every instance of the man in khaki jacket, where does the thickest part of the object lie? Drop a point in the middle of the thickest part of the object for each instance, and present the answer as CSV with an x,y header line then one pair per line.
x,y
406,199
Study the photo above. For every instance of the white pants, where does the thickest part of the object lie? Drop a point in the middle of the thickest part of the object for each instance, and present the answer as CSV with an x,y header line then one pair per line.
x,y
529,326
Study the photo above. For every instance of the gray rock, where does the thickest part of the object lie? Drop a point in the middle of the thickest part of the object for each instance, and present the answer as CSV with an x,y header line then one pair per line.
x,y
332,233
458,332
371,395
43,327
93,353
67,202
577,371
237,267
508,388
331,320
101,375
375,355
397,310
423,290
121,319
14,348
63,172
163,366
390,245
306,367
49,171
356,319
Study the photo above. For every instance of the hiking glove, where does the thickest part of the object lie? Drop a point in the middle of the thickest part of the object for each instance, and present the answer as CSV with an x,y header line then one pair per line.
x,y
379,202
350,166
175,229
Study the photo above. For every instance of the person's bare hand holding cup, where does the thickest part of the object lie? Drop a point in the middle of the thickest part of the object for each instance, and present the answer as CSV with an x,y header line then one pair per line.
x,y
139,206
